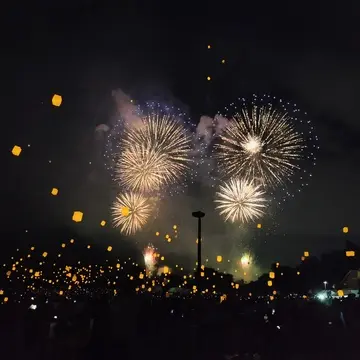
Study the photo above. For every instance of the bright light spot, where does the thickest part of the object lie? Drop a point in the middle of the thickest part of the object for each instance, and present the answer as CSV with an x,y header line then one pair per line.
x,y
253,145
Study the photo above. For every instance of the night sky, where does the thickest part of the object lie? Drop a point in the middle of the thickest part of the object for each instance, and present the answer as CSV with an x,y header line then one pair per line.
x,y
307,53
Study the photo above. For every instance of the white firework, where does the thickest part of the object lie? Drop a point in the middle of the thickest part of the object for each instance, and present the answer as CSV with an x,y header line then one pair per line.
x,y
240,200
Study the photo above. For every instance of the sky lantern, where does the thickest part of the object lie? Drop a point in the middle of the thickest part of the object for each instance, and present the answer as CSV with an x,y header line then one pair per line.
x,y
271,275
269,283
208,78
219,258
125,211
209,46
63,245
166,270
56,100
77,216
258,226
237,286
45,254
345,229
72,241
109,248
16,150
306,254
223,61
350,253
340,293
175,227
103,223
54,191
157,233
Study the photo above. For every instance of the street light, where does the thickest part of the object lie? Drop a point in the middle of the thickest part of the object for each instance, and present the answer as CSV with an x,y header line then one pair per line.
x,y
325,283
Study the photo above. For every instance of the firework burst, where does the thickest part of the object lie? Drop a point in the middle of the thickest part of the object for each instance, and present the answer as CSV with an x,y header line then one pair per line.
x,y
150,258
240,201
260,143
154,155
131,211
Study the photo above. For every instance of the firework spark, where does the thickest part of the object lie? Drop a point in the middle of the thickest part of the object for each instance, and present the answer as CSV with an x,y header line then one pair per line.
x,y
154,155
131,212
240,200
260,143
246,261
149,258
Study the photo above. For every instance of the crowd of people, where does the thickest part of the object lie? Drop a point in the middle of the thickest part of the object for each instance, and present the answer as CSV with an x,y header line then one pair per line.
x,y
162,327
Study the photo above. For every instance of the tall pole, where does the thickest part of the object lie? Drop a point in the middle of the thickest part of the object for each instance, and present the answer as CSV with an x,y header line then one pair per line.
x,y
198,215
199,248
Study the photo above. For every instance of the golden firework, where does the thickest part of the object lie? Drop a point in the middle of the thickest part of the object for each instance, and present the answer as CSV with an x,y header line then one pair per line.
x,y
154,154
138,210
260,143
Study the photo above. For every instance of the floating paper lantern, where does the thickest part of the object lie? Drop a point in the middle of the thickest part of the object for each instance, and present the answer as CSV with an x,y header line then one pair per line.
x,y
219,258
340,293
306,254
269,283
208,78
223,61
237,286
157,233
271,275
45,254
125,211
175,227
350,253
56,100
103,222
166,270
258,226
77,216
345,229
54,191
109,248
16,150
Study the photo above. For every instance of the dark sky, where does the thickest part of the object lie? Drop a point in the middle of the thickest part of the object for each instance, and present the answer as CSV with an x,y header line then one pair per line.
x,y
305,52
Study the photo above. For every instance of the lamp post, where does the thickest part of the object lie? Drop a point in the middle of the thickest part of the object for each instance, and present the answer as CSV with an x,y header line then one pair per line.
x,y
198,215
